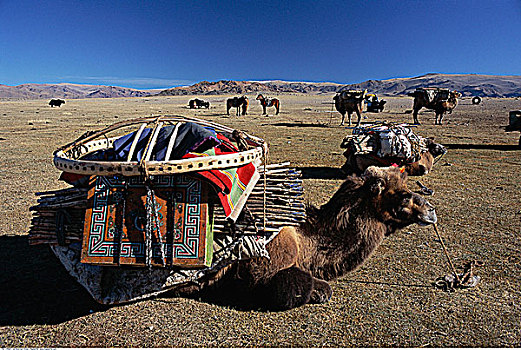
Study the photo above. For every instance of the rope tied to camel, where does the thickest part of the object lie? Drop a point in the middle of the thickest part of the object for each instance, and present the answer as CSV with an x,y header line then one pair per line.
x,y
450,282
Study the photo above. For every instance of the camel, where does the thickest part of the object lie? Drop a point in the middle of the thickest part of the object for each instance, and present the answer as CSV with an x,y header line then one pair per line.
x,y
440,100
357,163
56,102
348,102
271,102
335,239
237,102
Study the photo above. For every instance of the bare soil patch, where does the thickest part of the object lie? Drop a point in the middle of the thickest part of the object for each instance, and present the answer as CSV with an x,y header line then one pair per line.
x,y
390,301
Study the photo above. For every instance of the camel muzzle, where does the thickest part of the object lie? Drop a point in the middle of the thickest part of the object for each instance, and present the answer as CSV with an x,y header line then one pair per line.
x,y
428,215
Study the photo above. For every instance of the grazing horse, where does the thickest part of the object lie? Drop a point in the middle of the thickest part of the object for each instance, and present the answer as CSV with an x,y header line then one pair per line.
x,y
197,103
270,102
237,102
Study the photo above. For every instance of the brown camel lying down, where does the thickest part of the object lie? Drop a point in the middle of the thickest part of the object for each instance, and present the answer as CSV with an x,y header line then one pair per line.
x,y
357,163
336,239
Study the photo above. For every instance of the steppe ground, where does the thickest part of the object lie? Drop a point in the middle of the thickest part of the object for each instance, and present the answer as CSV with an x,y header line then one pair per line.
x,y
389,302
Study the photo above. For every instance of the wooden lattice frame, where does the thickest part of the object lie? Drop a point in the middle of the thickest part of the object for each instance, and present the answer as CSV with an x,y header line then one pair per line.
x,y
67,158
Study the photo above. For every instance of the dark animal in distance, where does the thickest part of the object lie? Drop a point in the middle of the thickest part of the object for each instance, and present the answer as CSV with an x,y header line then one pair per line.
x,y
357,163
237,102
439,100
197,103
334,240
271,102
56,102
348,102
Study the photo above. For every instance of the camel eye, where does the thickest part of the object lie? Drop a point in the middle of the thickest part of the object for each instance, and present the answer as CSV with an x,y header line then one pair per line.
x,y
406,200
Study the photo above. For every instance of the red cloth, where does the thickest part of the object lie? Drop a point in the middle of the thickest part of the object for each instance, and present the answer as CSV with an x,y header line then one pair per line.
x,y
234,184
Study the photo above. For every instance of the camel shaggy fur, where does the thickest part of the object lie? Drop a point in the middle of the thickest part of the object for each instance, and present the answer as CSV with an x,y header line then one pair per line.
x,y
336,239
439,105
349,102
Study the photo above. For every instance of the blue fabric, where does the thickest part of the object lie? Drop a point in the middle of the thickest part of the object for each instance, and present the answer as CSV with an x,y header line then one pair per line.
x,y
190,137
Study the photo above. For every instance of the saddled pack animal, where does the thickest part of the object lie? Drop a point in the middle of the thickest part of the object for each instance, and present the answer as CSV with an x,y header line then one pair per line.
x,y
268,102
197,103
290,270
237,102
439,100
56,102
335,239
387,144
350,101
357,163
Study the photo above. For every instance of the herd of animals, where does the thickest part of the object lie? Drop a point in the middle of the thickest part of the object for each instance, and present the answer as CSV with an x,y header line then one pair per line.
x,y
347,101
330,243
352,101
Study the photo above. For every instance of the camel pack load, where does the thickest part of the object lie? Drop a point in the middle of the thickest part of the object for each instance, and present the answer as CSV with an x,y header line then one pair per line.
x,y
157,202
385,141
352,94
433,95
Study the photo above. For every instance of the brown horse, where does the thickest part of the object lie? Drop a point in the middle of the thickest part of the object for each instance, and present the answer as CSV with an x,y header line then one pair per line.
x,y
272,102
237,102
268,102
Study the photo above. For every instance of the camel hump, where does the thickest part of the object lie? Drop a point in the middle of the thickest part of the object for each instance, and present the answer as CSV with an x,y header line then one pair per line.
x,y
284,248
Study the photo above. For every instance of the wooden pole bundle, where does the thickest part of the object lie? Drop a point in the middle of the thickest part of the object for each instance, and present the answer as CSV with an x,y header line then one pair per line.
x,y
282,206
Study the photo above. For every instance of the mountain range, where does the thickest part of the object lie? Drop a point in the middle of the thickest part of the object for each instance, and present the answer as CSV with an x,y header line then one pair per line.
x,y
467,84
69,91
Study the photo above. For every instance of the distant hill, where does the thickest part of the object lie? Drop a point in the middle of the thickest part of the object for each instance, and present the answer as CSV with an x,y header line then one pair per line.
x,y
467,84
68,91
244,87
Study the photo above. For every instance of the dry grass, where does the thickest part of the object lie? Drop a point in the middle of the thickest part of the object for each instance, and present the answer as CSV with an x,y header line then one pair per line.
x,y
388,302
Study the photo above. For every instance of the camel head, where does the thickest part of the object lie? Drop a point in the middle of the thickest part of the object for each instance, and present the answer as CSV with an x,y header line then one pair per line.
x,y
434,148
394,203
455,94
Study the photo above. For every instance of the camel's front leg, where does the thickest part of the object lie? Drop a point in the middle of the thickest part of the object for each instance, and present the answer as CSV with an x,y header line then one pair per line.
x,y
293,287
321,292
343,118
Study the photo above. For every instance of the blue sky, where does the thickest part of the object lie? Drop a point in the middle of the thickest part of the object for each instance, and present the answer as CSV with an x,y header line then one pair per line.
x,y
160,44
